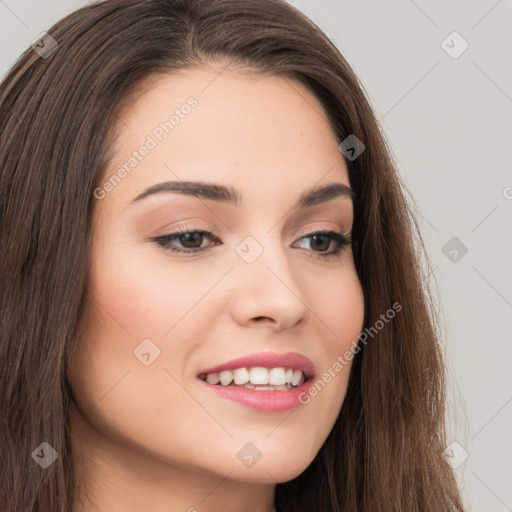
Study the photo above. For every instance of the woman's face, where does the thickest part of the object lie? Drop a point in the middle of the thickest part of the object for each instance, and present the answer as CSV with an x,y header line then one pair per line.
x,y
157,319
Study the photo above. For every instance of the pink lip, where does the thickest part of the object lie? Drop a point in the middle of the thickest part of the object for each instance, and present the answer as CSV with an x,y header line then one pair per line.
x,y
264,401
268,360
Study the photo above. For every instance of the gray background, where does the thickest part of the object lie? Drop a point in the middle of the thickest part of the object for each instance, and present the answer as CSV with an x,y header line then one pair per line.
x,y
448,121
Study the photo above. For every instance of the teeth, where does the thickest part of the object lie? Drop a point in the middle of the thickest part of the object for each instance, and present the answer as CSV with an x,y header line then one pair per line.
x,y
284,387
258,375
297,378
241,376
226,377
277,376
213,378
257,378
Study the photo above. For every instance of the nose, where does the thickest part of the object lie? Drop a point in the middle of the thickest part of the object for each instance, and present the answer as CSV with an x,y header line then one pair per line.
x,y
267,292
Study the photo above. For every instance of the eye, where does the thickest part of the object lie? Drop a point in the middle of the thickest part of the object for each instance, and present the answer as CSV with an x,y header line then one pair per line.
x,y
321,242
189,241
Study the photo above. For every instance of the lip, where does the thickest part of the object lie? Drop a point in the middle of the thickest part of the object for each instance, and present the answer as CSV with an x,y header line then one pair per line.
x,y
264,401
268,360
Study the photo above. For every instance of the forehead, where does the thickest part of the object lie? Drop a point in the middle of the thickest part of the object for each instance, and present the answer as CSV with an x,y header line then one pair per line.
x,y
262,134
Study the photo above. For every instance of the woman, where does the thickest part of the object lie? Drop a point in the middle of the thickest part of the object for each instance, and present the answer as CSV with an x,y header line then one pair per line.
x,y
212,296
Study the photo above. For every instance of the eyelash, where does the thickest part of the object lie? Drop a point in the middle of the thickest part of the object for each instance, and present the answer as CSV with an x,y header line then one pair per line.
x,y
163,241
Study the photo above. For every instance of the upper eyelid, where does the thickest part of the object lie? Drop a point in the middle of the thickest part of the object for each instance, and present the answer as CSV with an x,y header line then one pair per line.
x,y
210,232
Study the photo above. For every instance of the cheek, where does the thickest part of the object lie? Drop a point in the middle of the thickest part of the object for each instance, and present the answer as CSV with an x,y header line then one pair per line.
x,y
136,306
338,304
144,296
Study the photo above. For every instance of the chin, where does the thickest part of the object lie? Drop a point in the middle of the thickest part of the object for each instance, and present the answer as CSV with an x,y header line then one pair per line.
x,y
269,474
274,468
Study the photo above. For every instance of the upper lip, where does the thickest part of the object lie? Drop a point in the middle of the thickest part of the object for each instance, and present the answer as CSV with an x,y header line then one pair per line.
x,y
267,360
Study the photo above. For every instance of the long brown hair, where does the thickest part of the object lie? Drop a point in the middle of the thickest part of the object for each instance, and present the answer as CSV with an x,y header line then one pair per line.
x,y
57,114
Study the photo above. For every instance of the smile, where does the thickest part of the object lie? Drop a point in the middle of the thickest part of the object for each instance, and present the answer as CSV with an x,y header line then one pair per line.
x,y
258,378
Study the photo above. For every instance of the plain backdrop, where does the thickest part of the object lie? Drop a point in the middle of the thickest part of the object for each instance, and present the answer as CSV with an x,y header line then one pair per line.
x,y
439,76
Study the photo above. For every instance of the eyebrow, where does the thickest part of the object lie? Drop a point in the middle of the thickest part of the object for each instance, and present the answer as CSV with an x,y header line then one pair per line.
x,y
229,195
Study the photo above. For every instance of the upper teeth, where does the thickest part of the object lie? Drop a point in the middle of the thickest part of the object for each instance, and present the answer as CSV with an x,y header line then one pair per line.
x,y
257,376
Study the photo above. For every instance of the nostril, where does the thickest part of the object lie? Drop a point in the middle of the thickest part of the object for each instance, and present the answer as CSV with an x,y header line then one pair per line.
x,y
262,318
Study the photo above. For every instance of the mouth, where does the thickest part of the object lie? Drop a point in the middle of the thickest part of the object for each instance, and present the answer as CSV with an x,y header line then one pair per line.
x,y
257,378
266,382
262,372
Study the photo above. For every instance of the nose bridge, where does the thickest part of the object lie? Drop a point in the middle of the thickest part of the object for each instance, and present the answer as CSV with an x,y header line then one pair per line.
x,y
264,255
266,286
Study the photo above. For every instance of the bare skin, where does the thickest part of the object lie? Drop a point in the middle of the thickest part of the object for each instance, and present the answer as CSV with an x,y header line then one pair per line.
x,y
153,437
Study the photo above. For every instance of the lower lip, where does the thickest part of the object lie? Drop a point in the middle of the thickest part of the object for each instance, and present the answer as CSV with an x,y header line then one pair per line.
x,y
264,401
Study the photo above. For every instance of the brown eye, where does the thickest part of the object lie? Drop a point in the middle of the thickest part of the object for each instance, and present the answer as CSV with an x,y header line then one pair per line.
x,y
186,241
320,243
191,240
